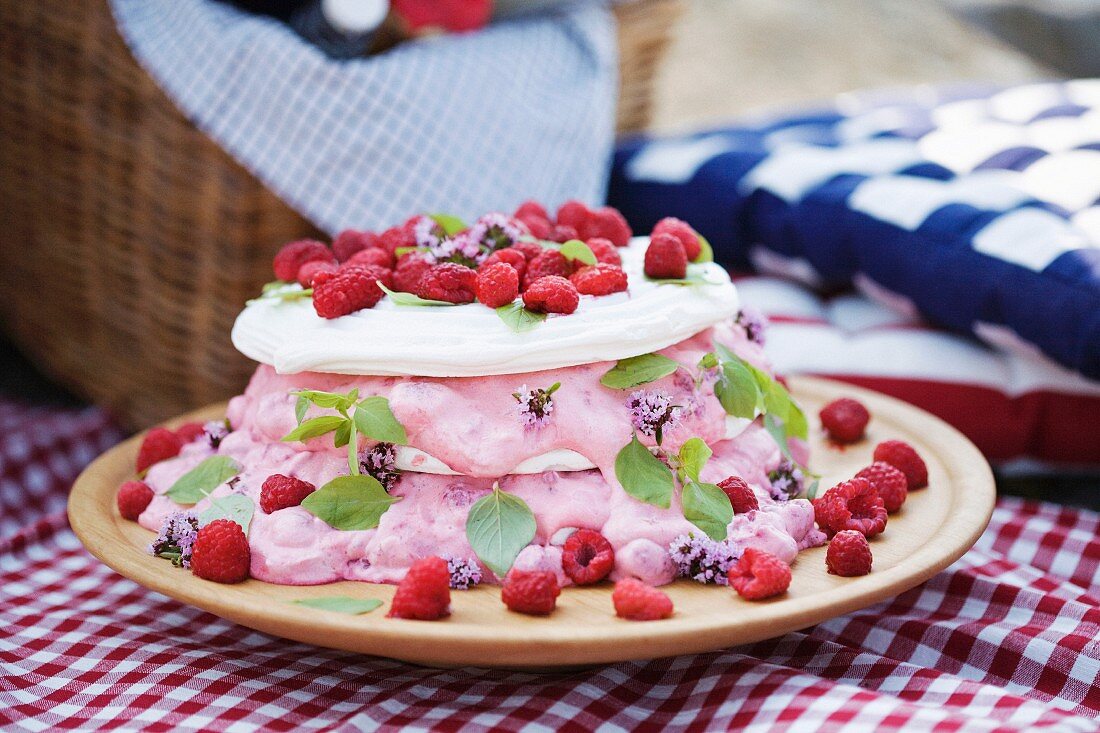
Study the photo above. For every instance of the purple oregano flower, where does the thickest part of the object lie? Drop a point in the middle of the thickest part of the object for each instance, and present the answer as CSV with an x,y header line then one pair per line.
x,y
652,412
535,405
754,324
701,558
381,463
176,538
787,480
495,231
464,572
216,431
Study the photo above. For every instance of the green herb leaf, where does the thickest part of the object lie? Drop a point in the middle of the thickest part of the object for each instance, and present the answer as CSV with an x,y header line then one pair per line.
x,y
349,502
331,400
451,224
575,249
709,361
314,427
236,507
398,251
643,475
353,449
518,318
400,298
694,454
498,527
706,252
343,434
695,276
637,370
301,405
375,420
737,390
194,485
341,604
775,428
811,492
708,508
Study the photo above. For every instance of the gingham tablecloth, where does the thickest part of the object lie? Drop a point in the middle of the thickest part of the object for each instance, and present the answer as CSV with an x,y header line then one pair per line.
x,y
1005,639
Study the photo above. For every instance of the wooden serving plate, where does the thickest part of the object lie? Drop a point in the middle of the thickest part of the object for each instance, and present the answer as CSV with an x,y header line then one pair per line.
x,y
934,528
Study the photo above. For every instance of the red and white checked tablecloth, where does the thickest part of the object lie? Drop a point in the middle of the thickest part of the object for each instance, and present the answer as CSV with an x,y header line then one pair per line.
x,y
1008,638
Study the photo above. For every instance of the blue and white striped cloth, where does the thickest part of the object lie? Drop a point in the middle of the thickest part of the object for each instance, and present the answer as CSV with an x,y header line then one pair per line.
x,y
464,124
979,209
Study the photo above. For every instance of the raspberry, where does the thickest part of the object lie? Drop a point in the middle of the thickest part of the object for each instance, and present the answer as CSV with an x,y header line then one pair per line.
x,y
549,262
551,294
376,256
455,16
309,270
682,231
449,282
844,419
758,575
563,233
607,223
281,492
852,504
534,217
395,237
497,284
529,250
848,554
599,279
350,241
587,557
509,256
665,257
190,431
424,593
133,498
605,251
531,208
574,214
295,254
221,552
901,456
410,268
533,592
348,290
889,482
636,601
741,495
159,444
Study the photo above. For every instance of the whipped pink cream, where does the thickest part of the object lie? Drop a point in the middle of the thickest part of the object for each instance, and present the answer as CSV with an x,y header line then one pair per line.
x,y
472,425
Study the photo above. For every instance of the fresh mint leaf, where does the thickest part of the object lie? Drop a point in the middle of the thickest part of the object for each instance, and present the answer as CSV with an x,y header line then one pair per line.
x,y
518,318
737,390
400,298
236,507
451,224
193,486
398,251
498,526
708,508
706,252
575,249
341,604
343,434
301,406
643,475
811,492
331,400
349,502
693,455
314,427
637,370
694,276
375,420
709,361
774,400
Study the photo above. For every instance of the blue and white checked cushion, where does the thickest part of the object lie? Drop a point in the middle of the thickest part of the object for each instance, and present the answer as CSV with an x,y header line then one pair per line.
x,y
463,123
979,208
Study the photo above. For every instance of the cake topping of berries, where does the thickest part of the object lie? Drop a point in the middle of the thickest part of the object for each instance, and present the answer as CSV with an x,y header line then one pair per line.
x,y
758,575
845,420
159,444
498,284
665,258
533,592
348,290
310,270
281,492
510,256
535,218
449,282
133,498
903,457
740,494
852,504
221,553
606,223
849,554
410,269
350,241
425,592
587,557
636,601
549,262
551,294
573,213
889,482
683,232
293,255
599,279
372,256
535,405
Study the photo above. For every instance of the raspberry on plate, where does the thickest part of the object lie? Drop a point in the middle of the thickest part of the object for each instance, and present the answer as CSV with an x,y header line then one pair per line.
x,y
849,554
845,420
636,601
548,262
758,575
889,482
665,257
551,294
133,498
741,495
425,592
308,271
608,223
683,232
410,268
903,457
280,492
190,431
350,241
159,444
852,504
599,279
498,284
221,552
533,592
293,255
587,557
449,282
372,256
605,251
348,290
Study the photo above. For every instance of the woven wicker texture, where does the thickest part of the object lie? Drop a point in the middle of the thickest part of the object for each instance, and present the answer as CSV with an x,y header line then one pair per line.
x,y
132,240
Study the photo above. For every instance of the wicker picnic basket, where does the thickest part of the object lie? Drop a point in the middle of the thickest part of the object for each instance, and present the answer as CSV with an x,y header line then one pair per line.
x,y
130,239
